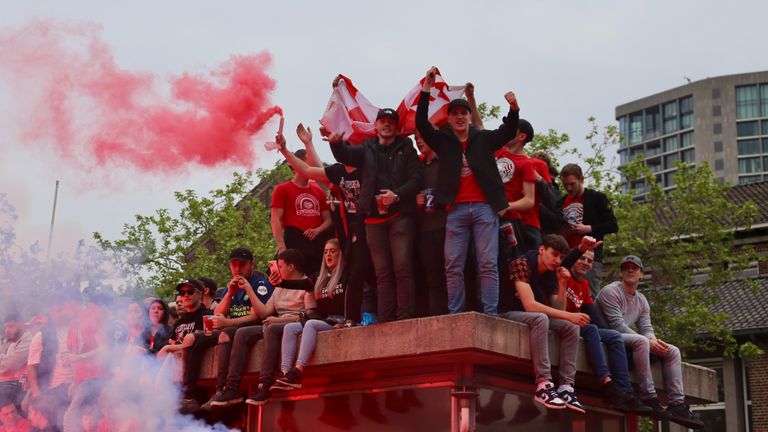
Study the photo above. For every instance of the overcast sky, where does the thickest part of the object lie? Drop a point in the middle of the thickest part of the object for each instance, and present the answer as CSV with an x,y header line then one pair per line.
x,y
566,60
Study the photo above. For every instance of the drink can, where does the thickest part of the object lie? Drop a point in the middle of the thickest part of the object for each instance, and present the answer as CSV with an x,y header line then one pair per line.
x,y
383,209
429,200
208,325
509,233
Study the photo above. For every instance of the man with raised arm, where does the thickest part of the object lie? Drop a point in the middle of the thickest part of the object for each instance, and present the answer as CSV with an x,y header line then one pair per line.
x,y
300,217
470,185
391,175
626,309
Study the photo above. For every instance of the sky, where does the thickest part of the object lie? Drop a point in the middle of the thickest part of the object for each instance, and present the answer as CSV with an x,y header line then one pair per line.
x,y
565,60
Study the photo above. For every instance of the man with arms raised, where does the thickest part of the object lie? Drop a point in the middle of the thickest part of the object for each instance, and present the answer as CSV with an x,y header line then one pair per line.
x,y
624,307
470,185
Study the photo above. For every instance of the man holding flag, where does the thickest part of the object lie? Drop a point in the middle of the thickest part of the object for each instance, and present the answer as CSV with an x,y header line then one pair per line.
x,y
470,184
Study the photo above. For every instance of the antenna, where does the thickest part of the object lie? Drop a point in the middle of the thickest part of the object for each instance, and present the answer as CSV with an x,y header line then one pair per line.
x,y
53,218
687,79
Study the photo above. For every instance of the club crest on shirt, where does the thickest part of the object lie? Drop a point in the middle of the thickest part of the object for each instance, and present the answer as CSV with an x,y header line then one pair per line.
x,y
465,169
307,205
506,169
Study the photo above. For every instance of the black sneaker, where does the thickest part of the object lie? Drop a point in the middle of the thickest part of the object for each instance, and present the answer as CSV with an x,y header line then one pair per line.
x,y
207,406
623,401
261,396
189,406
681,414
226,398
657,411
289,380
571,401
547,396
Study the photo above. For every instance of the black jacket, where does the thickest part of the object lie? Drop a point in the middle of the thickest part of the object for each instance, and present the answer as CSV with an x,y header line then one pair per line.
x,y
598,214
402,172
481,146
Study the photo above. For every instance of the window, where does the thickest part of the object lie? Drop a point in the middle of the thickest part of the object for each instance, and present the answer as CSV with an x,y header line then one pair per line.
x,y
750,165
670,117
764,98
713,415
718,146
652,122
747,102
719,164
686,112
749,147
765,145
717,128
670,160
716,93
623,131
635,128
655,165
669,179
688,156
746,129
624,157
745,180
653,148
686,140
671,143
717,111
639,186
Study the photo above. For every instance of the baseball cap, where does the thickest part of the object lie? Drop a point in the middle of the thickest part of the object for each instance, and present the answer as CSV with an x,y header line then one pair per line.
x,y
632,259
459,103
209,283
388,112
194,283
241,253
525,127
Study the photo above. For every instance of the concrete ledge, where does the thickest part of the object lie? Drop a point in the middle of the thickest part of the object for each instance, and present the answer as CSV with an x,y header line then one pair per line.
x,y
436,343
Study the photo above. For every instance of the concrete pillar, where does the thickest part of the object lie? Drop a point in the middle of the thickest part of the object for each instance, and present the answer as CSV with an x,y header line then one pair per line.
x,y
732,386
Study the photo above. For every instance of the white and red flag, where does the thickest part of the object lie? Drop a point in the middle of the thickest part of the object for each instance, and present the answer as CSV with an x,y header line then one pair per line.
x,y
439,98
349,112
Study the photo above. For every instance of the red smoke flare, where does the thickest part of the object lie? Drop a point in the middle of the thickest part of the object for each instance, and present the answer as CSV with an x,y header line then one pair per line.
x,y
66,88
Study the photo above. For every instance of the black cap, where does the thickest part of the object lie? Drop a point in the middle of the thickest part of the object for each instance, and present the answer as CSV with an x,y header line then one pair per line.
x,y
388,112
459,103
525,127
194,283
209,283
241,253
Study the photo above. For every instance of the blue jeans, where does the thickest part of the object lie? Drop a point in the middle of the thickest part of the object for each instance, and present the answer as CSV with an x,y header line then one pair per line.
x,y
594,337
480,221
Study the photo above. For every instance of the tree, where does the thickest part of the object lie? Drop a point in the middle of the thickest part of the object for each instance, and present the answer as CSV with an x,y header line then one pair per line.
x,y
27,277
687,231
161,250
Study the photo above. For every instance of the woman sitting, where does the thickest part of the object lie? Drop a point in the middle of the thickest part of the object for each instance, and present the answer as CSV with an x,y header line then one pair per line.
x,y
330,290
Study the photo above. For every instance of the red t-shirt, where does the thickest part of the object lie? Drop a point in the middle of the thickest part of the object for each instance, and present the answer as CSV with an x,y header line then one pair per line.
x,y
302,207
573,213
577,294
514,170
469,189
531,217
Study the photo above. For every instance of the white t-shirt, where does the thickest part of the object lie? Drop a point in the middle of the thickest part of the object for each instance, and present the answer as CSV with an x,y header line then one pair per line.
x,y
61,374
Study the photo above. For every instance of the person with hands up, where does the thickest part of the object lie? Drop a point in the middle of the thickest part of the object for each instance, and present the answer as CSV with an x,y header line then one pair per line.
x,y
391,175
472,189
300,217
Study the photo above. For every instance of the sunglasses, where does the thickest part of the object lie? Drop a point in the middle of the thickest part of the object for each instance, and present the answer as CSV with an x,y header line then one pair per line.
x,y
188,291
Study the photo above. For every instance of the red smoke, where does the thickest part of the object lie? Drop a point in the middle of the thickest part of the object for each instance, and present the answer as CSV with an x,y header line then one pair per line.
x,y
67,89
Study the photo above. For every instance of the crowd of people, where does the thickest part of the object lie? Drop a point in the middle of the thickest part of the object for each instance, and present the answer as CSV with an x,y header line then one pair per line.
x,y
465,220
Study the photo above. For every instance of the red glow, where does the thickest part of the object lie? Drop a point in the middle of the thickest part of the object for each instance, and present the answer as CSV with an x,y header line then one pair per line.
x,y
67,89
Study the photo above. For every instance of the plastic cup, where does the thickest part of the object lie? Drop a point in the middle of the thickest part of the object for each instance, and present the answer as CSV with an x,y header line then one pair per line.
x,y
208,325
383,209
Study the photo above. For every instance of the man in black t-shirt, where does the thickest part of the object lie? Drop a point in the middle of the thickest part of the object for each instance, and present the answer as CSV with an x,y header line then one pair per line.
x,y
191,292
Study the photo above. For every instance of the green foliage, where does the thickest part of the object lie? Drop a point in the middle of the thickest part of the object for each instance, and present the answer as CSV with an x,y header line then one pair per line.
x,y
687,231
160,250
488,112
